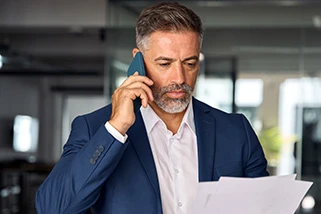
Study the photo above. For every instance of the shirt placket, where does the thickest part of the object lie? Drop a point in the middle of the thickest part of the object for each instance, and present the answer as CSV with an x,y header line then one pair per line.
x,y
176,170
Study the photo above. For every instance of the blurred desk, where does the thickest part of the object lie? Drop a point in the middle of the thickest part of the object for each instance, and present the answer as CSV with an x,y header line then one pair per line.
x,y
19,182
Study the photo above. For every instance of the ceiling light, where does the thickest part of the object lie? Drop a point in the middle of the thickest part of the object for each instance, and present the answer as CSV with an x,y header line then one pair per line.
x,y
1,63
211,3
317,21
288,3
120,65
201,57
308,202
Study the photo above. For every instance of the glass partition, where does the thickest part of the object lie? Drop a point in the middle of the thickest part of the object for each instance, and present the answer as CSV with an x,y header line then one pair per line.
x,y
307,104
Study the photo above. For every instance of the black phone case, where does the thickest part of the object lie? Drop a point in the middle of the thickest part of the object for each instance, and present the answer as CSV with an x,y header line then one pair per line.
x,y
137,64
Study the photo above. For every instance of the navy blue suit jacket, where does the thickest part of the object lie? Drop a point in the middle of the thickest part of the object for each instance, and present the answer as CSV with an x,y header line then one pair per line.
x,y
98,171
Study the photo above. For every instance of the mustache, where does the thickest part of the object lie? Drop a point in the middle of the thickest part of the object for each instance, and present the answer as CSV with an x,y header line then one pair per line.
x,y
175,87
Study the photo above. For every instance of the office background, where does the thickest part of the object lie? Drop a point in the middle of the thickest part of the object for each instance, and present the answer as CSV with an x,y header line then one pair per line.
x,y
61,58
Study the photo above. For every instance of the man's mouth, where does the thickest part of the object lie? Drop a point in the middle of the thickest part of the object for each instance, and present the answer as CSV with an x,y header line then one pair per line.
x,y
176,94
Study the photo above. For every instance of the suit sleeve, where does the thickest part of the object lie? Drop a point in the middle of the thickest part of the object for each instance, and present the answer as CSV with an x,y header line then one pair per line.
x,y
87,161
256,164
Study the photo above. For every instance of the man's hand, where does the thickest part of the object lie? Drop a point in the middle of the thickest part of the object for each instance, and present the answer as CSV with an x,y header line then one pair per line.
x,y
123,116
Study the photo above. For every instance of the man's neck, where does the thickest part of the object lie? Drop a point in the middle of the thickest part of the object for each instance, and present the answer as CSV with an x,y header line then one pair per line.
x,y
171,120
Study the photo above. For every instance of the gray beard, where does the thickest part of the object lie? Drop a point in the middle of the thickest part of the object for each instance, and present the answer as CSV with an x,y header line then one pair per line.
x,y
172,105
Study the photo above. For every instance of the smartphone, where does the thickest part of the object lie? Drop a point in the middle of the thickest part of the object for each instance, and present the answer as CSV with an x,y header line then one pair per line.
x,y
137,64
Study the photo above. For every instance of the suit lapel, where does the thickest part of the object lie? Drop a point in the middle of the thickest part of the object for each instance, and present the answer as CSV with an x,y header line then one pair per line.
x,y
205,132
138,138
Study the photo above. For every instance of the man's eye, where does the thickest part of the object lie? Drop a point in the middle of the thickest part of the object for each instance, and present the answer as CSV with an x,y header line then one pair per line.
x,y
191,65
164,64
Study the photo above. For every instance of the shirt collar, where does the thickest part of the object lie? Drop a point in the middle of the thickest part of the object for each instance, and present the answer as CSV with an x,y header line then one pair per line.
x,y
151,118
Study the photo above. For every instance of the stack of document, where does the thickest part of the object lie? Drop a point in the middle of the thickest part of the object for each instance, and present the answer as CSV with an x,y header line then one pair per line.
x,y
265,195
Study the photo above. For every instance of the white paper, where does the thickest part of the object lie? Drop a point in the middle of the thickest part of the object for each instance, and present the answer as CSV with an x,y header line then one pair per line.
x,y
205,191
291,177
265,195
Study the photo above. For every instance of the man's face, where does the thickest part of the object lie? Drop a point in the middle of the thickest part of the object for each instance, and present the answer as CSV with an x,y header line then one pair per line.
x,y
172,62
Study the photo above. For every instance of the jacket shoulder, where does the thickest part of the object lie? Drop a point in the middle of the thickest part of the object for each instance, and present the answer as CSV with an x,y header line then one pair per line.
x,y
220,116
102,113
97,118
214,111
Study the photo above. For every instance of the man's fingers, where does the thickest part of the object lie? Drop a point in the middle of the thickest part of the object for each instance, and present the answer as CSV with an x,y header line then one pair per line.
x,y
143,96
137,78
138,93
139,85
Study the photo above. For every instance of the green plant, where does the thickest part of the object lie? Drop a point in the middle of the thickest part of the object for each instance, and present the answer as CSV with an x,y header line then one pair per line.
x,y
271,142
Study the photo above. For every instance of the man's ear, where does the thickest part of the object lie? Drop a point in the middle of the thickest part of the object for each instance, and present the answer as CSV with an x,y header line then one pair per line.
x,y
134,51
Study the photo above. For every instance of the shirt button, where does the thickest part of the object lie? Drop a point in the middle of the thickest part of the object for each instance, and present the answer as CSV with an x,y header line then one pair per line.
x,y
180,204
176,170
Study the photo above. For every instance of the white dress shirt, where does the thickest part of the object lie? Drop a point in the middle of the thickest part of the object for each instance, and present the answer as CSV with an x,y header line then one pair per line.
x,y
175,158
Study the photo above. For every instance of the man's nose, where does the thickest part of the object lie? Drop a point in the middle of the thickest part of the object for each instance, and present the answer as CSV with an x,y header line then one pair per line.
x,y
178,74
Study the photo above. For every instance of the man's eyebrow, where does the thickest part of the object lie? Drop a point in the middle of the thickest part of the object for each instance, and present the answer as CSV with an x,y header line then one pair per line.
x,y
172,60
164,58
191,58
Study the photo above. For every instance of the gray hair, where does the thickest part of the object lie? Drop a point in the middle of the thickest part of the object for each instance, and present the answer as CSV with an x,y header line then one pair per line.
x,y
166,17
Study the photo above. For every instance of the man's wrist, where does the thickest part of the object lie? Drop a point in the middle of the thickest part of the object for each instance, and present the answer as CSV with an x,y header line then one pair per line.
x,y
115,133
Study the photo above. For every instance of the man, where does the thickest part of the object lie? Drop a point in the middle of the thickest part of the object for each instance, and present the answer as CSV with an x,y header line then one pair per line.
x,y
119,161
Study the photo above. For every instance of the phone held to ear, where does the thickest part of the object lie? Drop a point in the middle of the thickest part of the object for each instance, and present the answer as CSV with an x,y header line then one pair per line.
x,y
137,64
